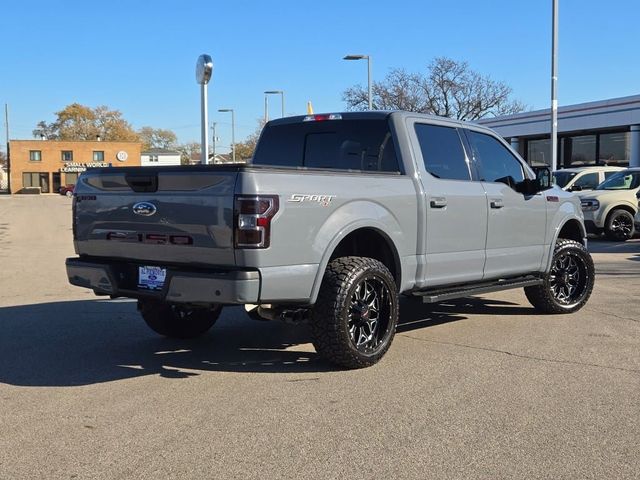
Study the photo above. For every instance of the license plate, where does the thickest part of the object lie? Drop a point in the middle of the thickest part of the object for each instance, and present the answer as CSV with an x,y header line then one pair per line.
x,y
151,278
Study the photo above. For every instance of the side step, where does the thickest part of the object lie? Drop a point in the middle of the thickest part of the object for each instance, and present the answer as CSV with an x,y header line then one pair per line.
x,y
468,290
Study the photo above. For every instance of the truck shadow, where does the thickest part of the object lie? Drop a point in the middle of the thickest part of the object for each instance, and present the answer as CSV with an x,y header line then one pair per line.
x,y
86,342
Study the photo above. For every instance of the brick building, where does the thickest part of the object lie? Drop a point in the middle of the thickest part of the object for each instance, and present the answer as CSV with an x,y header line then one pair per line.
x,y
49,164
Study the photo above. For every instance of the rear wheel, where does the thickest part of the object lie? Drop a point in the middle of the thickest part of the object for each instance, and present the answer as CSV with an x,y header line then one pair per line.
x,y
568,284
177,321
354,320
619,225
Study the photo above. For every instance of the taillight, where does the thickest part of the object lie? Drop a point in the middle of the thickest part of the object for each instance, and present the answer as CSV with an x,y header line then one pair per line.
x,y
253,220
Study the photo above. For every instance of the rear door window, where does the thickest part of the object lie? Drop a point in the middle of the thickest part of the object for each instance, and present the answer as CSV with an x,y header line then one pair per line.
x,y
442,152
360,145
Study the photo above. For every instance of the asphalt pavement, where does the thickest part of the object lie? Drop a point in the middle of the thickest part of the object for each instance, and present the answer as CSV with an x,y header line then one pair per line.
x,y
475,388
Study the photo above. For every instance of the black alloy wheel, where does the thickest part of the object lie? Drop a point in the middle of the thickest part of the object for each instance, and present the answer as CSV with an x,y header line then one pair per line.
x,y
369,314
619,225
354,319
568,284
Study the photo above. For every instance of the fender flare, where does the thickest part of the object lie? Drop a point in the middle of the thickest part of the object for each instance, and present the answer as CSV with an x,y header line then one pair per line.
x,y
556,235
341,235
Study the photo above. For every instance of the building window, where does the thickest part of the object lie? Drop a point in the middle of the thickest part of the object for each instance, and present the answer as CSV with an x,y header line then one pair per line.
x,y
35,155
36,179
70,178
67,156
153,158
539,152
98,156
614,149
578,151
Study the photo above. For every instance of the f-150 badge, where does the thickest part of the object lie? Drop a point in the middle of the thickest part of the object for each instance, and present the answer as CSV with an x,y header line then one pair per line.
x,y
323,200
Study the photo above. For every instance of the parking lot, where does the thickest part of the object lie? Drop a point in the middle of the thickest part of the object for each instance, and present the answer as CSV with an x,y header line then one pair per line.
x,y
476,388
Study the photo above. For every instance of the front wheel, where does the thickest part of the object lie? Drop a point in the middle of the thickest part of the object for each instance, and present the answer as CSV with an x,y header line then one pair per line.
x,y
568,284
177,321
354,320
619,226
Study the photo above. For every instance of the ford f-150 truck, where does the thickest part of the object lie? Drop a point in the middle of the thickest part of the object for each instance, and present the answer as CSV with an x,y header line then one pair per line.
x,y
334,218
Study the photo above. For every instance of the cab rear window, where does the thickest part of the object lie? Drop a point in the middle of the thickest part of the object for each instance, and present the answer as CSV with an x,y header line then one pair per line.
x,y
357,145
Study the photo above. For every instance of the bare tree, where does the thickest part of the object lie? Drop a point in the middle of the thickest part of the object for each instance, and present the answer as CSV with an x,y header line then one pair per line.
x,y
449,89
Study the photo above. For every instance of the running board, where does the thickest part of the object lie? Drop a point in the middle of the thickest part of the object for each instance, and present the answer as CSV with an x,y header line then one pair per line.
x,y
461,291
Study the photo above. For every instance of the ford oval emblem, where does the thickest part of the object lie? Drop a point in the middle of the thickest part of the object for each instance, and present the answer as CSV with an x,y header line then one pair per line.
x,y
145,209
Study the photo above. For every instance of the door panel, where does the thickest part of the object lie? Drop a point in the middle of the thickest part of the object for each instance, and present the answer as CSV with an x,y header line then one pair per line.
x,y
515,231
456,232
516,226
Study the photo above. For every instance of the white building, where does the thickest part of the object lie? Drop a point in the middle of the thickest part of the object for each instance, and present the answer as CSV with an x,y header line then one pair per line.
x,y
606,132
159,156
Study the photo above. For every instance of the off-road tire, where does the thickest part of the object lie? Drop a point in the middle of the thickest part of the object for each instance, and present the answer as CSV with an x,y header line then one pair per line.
x,y
333,312
544,297
619,225
176,321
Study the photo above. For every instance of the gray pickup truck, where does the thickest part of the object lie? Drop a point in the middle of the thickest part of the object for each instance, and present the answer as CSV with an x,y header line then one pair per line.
x,y
335,217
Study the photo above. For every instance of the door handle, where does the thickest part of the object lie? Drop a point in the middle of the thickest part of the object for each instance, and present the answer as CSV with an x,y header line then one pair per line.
x,y
496,203
438,202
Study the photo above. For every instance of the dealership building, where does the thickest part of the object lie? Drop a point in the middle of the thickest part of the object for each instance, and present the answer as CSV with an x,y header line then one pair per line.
x,y
43,166
606,132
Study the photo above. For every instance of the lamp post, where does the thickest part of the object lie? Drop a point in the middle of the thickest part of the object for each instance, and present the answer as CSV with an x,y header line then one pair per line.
x,y
554,86
266,104
204,69
368,59
233,131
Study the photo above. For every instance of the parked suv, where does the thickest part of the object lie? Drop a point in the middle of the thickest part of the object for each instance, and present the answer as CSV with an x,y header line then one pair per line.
x,y
583,178
610,207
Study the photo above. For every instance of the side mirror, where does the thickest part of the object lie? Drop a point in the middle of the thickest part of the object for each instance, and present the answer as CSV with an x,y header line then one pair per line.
x,y
540,183
543,177
576,188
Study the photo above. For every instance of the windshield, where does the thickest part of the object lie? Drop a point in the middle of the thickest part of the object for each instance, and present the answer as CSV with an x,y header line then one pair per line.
x,y
562,178
621,181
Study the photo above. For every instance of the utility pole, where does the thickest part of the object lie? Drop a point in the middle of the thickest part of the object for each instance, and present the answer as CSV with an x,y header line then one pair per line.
x,y
554,87
213,142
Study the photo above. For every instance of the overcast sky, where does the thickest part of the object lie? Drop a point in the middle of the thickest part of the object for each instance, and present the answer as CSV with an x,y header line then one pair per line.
x,y
139,56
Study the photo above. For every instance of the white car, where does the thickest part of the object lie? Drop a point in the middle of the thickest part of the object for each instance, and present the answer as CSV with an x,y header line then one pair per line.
x,y
583,178
611,206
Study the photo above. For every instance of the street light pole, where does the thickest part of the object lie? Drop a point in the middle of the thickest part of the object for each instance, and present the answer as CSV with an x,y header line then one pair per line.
x,y
554,87
368,59
204,69
266,108
275,92
233,131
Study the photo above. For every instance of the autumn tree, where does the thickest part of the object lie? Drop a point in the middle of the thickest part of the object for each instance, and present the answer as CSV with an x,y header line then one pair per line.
x,y
188,151
245,149
157,138
3,159
79,122
449,88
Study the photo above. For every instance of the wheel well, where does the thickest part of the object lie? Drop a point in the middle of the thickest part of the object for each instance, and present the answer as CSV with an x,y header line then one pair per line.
x,y
620,207
369,242
572,231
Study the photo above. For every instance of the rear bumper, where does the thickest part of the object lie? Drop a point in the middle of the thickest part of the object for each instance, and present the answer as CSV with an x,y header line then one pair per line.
x,y
181,285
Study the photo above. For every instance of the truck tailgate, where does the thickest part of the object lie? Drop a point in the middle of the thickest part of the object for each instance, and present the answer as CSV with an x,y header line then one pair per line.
x,y
160,215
